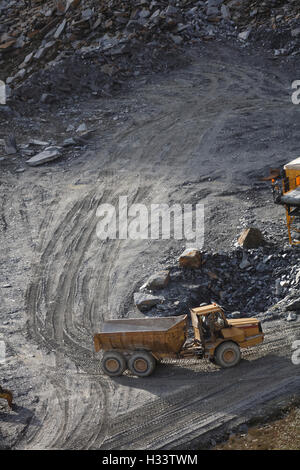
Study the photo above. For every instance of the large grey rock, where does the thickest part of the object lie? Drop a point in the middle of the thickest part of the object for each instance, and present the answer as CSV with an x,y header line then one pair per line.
x,y
157,281
49,154
145,302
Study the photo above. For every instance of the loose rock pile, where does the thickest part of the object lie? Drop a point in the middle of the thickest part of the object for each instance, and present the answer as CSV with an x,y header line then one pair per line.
x,y
245,283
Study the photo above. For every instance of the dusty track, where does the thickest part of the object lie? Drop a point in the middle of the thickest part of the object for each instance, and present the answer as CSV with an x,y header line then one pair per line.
x,y
216,120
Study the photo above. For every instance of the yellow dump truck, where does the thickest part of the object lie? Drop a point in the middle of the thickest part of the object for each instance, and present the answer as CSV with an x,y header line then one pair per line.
x,y
138,344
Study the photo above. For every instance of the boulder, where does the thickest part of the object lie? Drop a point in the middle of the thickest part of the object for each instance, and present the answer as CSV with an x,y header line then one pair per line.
x,y
251,238
157,281
145,302
190,258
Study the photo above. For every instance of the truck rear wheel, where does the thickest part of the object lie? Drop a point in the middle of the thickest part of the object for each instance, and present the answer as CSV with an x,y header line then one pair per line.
x,y
142,363
113,363
228,354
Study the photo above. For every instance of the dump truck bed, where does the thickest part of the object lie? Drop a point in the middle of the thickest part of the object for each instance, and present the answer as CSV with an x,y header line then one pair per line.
x,y
161,335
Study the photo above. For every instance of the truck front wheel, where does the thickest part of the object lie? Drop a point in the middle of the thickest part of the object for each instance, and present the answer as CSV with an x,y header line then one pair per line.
x,y
142,363
228,354
113,363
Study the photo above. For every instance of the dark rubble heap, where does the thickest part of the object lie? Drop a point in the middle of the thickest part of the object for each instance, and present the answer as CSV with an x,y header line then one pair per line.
x,y
245,282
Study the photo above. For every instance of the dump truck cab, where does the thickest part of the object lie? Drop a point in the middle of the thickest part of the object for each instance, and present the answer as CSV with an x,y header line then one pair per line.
x,y
220,338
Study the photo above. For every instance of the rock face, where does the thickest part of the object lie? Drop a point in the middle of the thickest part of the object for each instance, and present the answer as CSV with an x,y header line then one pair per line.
x,y
251,238
145,302
190,258
157,281
38,33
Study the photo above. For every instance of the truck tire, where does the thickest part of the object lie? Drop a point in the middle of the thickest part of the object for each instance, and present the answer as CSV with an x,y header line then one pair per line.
x,y
142,363
228,354
113,363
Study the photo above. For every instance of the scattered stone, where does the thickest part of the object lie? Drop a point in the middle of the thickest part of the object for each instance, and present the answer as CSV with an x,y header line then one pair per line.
x,y
81,128
291,316
48,98
278,287
170,11
49,154
60,29
251,238
176,39
245,263
68,142
244,35
295,32
145,302
190,258
41,143
225,12
10,145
